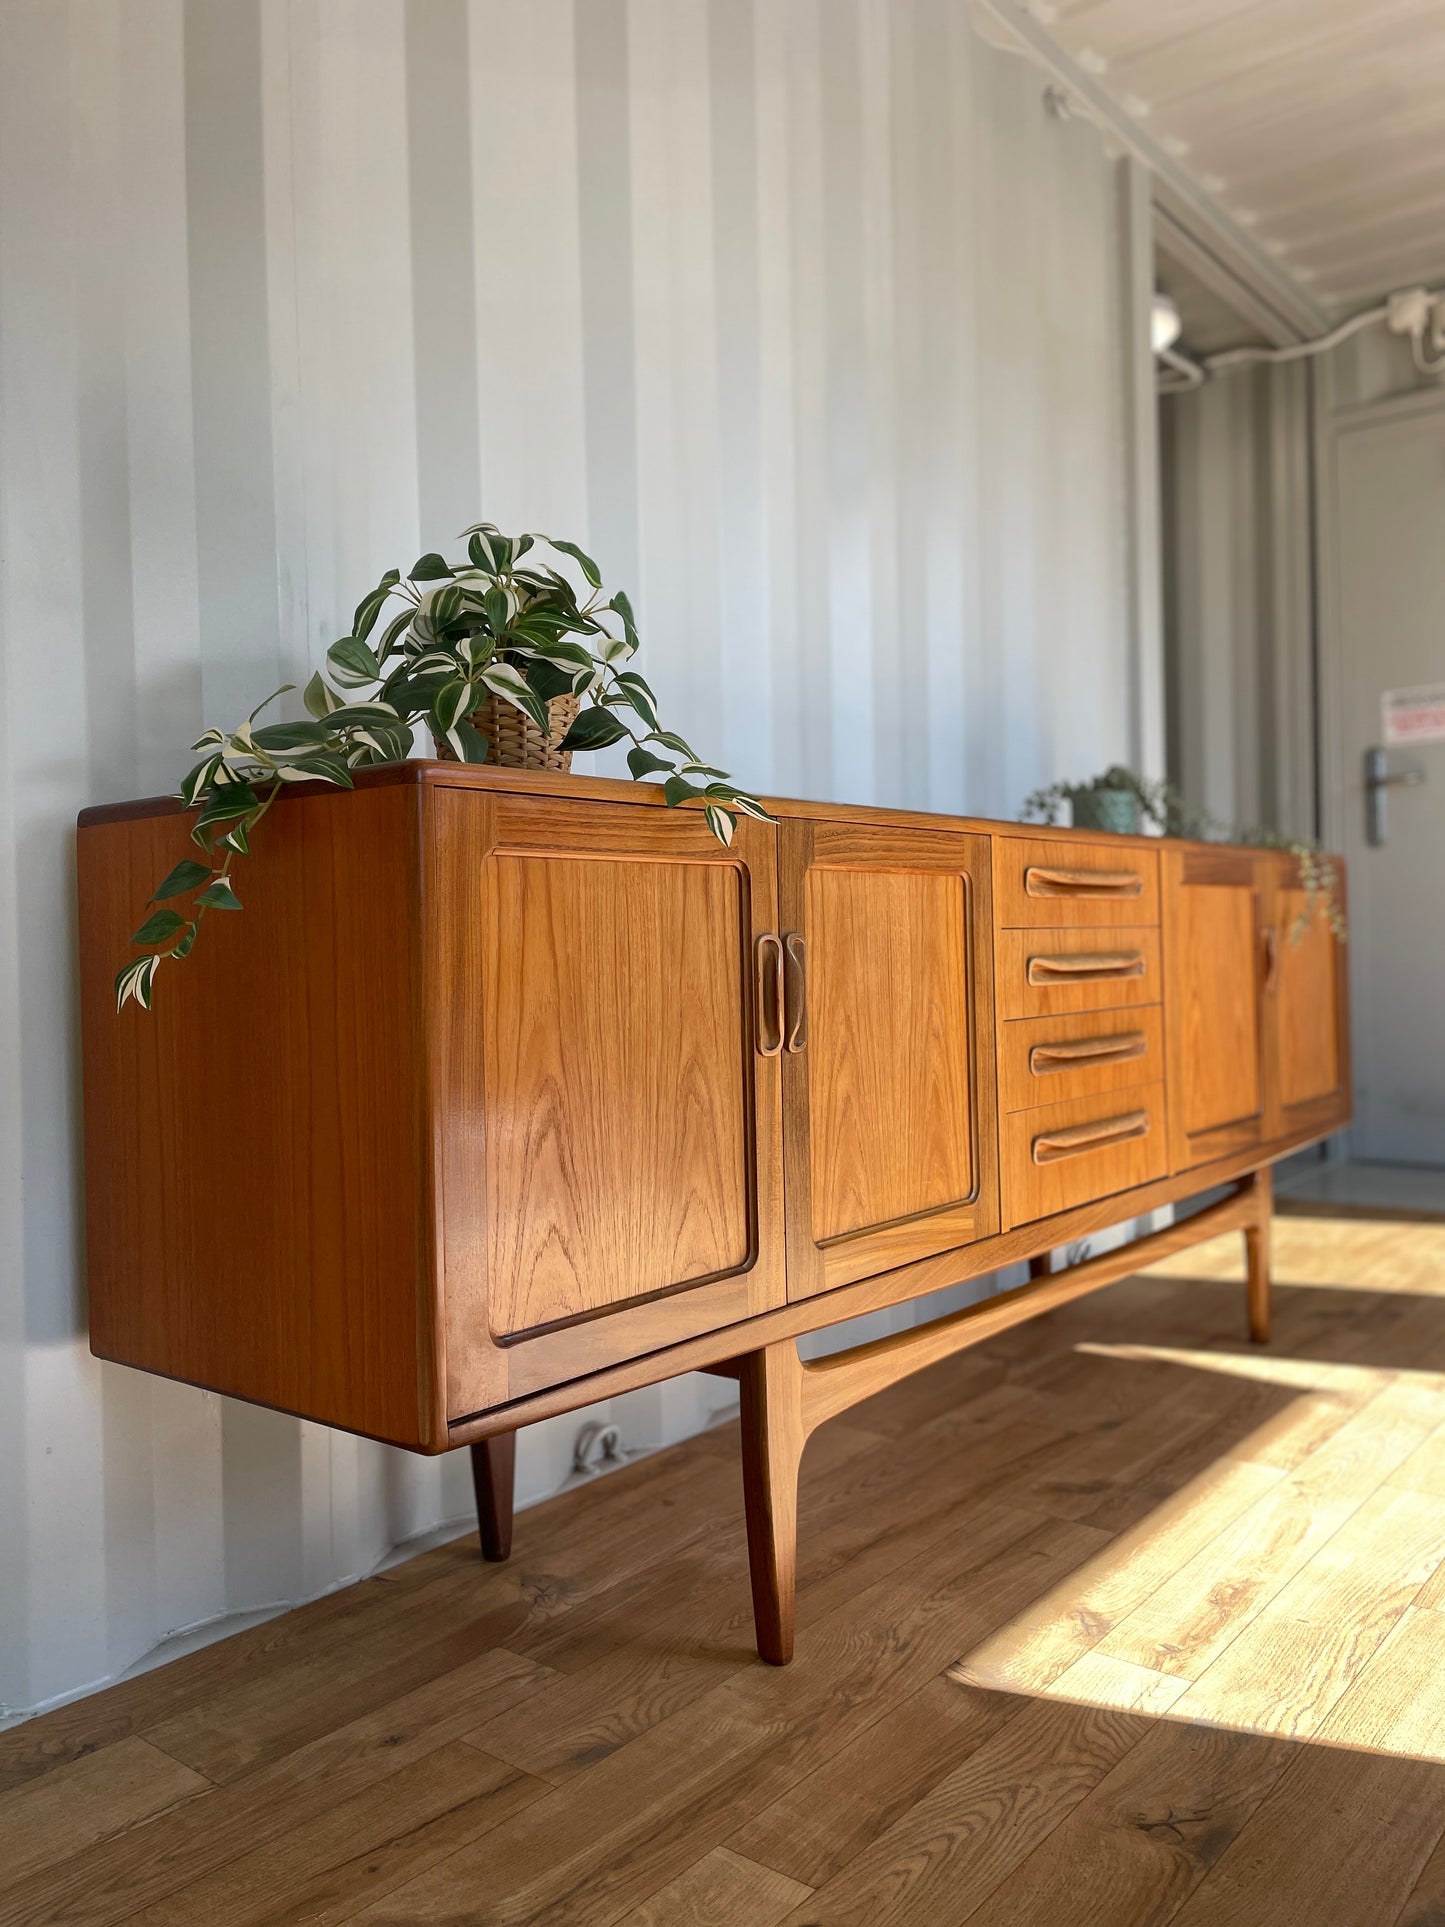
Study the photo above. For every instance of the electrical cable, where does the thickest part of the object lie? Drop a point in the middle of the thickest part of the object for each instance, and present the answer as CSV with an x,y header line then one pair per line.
x,y
1190,374
1407,320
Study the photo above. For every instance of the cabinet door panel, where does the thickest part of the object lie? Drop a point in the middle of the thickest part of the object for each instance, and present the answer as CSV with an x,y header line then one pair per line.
x,y
888,1073
615,1074
612,1138
1306,1013
886,1159
1213,957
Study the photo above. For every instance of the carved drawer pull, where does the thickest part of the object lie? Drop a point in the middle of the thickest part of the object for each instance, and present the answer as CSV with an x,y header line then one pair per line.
x,y
1086,967
1041,882
770,994
1078,1138
795,1000
1088,1050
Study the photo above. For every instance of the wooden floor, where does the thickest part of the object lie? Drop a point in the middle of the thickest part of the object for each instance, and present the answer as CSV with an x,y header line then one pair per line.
x,y
1115,1621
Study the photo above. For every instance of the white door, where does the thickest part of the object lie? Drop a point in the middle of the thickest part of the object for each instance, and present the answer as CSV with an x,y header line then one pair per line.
x,y
1384,630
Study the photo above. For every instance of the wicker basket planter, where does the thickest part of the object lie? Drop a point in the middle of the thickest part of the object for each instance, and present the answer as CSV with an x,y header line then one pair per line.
x,y
514,741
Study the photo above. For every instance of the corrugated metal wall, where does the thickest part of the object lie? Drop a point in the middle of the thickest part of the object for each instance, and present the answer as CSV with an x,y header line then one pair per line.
x,y
803,314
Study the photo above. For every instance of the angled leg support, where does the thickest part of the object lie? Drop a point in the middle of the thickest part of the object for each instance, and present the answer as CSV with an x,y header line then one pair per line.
x,y
784,1400
1257,1238
770,1384
494,1464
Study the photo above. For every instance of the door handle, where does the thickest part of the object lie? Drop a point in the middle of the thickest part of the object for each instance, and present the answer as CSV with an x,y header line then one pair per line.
x,y
1270,938
769,1013
795,991
1380,779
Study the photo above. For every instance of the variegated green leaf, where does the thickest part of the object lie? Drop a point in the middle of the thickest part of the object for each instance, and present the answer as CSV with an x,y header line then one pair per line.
x,y
135,980
320,698
187,875
719,822
158,926
220,896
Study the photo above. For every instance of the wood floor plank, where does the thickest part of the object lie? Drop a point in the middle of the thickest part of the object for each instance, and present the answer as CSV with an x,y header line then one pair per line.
x,y
1339,1841
697,1629
1425,1905
955,1845
1317,1634
721,1890
116,1877
1189,1621
564,1553
1041,1644
1124,1500
87,1800
1136,1847
820,1823
1096,1680
331,1866
654,1806
1397,1703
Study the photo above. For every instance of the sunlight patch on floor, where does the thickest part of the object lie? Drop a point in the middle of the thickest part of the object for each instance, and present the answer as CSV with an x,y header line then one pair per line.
x,y
1296,1587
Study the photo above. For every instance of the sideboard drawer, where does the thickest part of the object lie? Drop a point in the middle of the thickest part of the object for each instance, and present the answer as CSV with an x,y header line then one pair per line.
x,y
1041,973
1052,882
1060,1155
1046,1060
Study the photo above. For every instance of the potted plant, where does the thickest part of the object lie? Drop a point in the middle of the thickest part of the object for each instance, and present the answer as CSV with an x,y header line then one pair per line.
x,y
497,657
1121,800
1113,801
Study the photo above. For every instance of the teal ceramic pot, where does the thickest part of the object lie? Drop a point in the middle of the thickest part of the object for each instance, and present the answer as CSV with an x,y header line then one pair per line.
x,y
1116,810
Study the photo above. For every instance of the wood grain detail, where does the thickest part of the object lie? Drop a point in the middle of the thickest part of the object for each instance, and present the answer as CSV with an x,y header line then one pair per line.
x,y
889,1047
617,1147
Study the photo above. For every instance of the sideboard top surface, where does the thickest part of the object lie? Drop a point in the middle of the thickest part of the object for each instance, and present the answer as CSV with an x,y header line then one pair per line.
x,y
425,774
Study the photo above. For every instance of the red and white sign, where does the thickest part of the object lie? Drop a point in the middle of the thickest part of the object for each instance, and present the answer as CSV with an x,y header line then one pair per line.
x,y
1413,715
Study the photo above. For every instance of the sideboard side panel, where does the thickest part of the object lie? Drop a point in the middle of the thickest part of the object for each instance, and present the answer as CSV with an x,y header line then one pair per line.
x,y
255,1163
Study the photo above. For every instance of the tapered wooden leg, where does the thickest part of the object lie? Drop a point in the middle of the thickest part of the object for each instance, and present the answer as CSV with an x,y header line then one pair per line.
x,y
494,1463
771,1387
1256,1256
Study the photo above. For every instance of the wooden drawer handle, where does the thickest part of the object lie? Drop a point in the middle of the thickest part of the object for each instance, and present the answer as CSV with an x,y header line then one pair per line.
x,y
1087,967
1041,882
1053,1145
1088,1050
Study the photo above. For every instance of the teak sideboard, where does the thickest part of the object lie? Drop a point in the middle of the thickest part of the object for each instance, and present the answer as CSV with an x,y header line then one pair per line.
x,y
509,1092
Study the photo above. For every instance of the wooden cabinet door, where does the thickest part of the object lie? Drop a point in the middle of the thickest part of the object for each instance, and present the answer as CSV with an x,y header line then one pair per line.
x,y
1305,1011
612,1170
1214,945
888,1072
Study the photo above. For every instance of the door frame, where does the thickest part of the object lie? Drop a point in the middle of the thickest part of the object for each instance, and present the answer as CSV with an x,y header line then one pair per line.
x,y
1332,426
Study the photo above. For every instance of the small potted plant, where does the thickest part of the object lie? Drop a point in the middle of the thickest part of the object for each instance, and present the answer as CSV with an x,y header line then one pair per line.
x,y
1122,801
1115,801
497,657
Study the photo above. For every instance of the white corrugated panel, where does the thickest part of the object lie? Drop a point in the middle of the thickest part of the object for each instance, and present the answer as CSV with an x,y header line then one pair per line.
x,y
805,316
